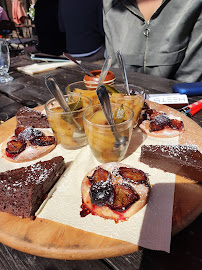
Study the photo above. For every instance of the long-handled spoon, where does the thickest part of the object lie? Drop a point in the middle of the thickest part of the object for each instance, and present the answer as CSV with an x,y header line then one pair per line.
x,y
123,71
105,68
76,62
53,87
103,97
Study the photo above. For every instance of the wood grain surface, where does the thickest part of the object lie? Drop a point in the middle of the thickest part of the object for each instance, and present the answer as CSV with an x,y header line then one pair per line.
x,y
54,240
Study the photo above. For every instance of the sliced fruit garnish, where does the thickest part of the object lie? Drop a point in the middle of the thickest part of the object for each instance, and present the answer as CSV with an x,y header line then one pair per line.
x,y
119,115
132,174
159,122
124,197
15,147
29,134
18,130
43,140
100,174
102,193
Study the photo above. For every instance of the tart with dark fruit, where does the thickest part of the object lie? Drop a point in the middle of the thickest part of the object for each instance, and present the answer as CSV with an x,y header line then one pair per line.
x,y
159,124
114,191
27,144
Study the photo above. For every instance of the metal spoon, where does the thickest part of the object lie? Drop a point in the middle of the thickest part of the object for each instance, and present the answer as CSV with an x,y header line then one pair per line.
x,y
123,71
53,87
68,56
103,97
105,68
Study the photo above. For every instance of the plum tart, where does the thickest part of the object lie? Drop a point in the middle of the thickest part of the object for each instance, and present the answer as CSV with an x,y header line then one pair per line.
x,y
27,144
114,191
159,124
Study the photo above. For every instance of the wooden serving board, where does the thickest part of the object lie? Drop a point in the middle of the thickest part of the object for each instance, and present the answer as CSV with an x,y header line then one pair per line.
x,y
54,240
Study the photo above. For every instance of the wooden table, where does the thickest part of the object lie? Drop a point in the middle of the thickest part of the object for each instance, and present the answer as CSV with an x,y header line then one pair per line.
x,y
186,249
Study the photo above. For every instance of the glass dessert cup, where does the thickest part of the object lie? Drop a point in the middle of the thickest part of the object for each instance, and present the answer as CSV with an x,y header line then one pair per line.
x,y
100,136
64,129
135,101
80,87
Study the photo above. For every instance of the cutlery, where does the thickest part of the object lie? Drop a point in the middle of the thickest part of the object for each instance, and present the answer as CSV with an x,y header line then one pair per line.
x,y
123,71
105,68
104,100
76,62
53,87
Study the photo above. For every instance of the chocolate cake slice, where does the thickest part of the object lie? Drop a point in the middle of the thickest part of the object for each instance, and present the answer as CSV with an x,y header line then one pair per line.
x,y
183,160
31,118
23,190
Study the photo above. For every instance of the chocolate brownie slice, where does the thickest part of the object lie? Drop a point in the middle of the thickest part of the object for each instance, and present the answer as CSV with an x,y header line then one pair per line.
x,y
183,160
23,190
31,118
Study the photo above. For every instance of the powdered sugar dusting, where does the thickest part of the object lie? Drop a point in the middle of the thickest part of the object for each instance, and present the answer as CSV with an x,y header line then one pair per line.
x,y
32,175
187,153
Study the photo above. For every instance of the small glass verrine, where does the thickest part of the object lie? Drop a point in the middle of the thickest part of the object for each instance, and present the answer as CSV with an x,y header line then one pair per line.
x,y
100,136
80,87
64,128
135,100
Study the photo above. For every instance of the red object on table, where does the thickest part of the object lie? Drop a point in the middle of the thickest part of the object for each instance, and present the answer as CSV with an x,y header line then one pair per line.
x,y
193,108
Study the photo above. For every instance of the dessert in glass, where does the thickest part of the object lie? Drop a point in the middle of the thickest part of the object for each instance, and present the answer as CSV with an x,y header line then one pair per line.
x,y
80,88
88,86
135,100
68,126
100,134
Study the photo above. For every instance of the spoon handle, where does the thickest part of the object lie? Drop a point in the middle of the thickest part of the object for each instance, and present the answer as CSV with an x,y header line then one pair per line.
x,y
104,100
74,60
123,71
105,68
57,93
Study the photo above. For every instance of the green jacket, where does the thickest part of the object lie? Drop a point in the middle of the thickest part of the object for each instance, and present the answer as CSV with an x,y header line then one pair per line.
x,y
168,45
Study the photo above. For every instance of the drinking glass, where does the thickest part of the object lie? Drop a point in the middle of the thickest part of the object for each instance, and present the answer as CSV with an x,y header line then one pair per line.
x,y
4,62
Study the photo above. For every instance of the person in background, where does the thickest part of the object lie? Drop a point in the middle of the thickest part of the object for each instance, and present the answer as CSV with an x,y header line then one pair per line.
x,y
51,40
157,37
3,15
82,22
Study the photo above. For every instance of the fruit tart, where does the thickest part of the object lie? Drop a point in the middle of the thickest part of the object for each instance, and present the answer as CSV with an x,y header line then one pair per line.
x,y
27,144
114,191
159,124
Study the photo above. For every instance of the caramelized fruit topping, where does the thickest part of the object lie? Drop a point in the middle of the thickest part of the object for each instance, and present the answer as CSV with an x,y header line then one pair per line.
x,y
29,134
159,122
124,197
15,147
132,174
150,114
177,124
18,130
99,174
102,193
43,140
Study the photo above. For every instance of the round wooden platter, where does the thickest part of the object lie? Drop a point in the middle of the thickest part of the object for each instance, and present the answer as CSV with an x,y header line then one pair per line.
x,y
54,240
